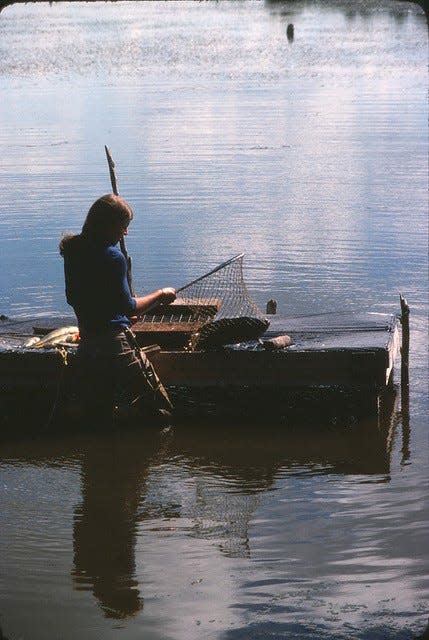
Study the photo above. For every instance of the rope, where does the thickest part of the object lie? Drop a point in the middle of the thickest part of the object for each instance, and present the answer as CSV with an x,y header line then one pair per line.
x,y
62,351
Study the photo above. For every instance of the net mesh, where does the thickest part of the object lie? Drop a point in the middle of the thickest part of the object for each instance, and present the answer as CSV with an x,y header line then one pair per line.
x,y
221,294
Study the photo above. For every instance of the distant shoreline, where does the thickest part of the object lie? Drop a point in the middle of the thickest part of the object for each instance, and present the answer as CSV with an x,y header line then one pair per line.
x,y
5,3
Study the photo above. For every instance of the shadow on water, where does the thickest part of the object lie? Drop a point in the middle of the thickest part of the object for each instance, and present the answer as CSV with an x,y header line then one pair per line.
x,y
243,459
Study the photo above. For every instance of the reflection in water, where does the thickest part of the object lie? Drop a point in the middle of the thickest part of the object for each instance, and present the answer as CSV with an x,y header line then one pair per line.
x,y
104,535
229,466
207,481
406,432
397,10
224,517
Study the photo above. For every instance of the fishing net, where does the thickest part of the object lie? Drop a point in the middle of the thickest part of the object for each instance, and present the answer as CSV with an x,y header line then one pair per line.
x,y
217,333
214,310
221,301
221,293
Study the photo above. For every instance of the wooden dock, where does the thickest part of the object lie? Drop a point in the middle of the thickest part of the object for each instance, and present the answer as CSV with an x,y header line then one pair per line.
x,y
332,351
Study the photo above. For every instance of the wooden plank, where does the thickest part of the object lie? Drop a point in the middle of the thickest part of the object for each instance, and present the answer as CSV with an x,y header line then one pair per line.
x,y
232,368
207,307
289,369
393,349
162,327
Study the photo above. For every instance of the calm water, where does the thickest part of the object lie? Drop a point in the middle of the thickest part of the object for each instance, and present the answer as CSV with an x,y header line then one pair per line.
x,y
310,155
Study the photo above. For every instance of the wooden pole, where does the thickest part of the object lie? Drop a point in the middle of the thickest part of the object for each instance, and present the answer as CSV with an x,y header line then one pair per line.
x,y
271,308
405,347
405,379
122,240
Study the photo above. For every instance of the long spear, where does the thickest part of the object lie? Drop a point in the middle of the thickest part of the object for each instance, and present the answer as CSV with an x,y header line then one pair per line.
x,y
122,240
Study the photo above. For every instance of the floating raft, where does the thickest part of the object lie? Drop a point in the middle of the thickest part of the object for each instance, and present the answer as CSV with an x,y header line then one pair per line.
x,y
334,350
350,351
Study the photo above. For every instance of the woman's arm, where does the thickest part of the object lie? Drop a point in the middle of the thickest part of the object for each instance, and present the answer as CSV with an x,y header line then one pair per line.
x,y
160,296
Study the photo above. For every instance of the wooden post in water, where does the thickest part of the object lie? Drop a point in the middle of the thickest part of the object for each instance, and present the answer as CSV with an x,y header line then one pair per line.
x,y
405,378
271,307
405,347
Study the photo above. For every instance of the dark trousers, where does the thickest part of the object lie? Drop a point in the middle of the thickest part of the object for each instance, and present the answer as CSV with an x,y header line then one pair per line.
x,y
111,378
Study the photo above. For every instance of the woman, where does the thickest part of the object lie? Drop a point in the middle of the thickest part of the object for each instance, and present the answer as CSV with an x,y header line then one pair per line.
x,y
97,288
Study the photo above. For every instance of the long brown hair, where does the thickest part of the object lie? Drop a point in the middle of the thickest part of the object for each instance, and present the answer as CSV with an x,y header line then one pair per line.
x,y
108,212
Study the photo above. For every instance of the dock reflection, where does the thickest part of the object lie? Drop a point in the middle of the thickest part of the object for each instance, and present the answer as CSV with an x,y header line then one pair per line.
x,y
229,466
254,451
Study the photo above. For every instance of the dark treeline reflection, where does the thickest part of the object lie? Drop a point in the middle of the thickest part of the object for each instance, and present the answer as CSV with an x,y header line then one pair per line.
x,y
121,474
351,10
295,7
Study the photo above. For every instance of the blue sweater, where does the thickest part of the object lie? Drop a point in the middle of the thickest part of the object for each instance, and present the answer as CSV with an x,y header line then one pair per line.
x,y
97,286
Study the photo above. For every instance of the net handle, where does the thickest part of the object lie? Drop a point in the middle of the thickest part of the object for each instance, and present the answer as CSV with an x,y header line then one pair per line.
x,y
209,273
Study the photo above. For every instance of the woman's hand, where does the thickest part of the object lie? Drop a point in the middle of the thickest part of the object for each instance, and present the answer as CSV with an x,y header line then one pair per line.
x,y
168,295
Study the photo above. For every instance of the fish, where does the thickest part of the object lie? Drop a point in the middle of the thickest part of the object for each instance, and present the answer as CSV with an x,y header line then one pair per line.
x,y
63,334
31,342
